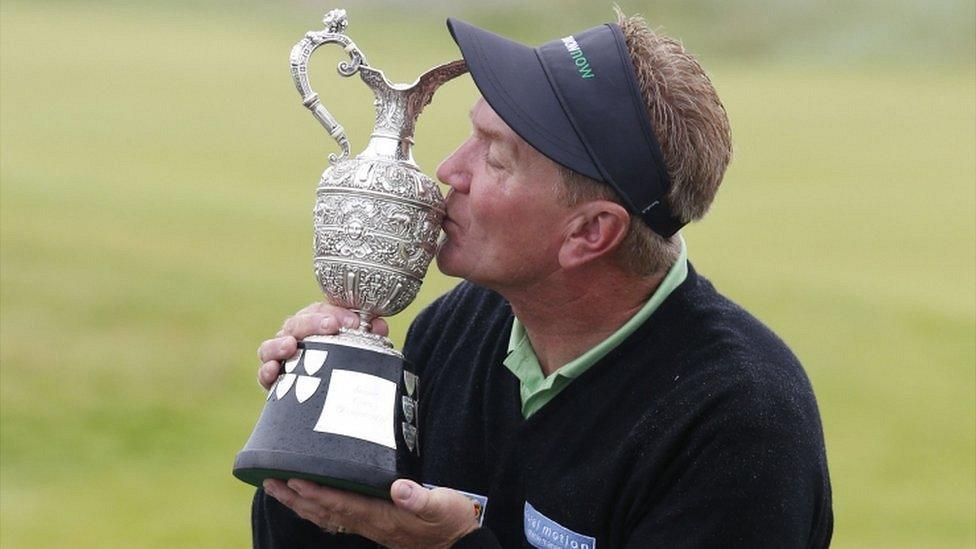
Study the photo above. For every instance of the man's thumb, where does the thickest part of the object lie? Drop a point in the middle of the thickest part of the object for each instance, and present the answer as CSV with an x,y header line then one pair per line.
x,y
412,497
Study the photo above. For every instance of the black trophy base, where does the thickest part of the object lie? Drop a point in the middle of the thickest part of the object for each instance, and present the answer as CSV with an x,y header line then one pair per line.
x,y
254,466
347,442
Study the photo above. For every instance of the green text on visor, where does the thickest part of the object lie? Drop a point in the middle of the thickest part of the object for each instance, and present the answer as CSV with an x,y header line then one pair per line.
x,y
592,76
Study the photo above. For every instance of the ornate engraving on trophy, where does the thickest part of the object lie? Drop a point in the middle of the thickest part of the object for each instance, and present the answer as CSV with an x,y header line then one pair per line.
x,y
376,222
377,216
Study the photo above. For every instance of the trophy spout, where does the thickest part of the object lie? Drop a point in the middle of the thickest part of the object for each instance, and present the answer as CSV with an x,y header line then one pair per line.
x,y
399,105
422,91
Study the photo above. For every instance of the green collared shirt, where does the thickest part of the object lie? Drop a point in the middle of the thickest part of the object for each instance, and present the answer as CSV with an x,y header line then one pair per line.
x,y
537,389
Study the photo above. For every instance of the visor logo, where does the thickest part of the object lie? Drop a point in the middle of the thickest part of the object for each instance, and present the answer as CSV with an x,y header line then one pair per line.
x,y
582,65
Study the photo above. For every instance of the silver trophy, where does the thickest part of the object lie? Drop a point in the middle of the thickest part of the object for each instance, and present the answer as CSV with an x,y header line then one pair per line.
x,y
344,410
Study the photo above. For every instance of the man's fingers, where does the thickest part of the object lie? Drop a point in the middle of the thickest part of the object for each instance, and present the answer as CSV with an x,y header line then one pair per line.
x,y
268,373
280,491
412,497
418,517
440,506
304,325
271,353
345,317
308,321
340,504
279,348
380,327
320,307
306,508
352,512
431,505
317,318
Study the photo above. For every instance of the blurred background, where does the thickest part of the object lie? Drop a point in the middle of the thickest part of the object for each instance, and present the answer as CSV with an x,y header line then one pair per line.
x,y
158,173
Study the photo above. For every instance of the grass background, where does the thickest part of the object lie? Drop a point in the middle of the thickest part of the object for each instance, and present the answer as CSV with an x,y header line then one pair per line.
x,y
157,173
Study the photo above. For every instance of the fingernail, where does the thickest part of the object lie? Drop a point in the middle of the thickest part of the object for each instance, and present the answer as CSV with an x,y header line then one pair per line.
x,y
403,490
350,321
328,323
269,488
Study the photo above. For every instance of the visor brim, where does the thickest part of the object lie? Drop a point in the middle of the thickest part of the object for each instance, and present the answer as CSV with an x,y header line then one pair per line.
x,y
511,79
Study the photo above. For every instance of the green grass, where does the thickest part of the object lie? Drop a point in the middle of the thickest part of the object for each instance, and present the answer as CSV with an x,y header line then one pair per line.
x,y
157,179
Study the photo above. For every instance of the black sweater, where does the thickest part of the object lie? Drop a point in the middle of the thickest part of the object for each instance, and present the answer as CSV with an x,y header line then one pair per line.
x,y
700,429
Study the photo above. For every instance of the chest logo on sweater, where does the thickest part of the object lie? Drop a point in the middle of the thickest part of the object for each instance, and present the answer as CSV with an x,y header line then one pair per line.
x,y
544,533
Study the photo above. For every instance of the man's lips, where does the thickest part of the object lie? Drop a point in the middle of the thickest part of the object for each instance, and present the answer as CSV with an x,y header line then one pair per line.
x,y
448,223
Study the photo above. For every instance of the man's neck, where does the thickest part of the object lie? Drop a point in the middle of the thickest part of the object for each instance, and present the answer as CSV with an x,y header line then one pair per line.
x,y
568,314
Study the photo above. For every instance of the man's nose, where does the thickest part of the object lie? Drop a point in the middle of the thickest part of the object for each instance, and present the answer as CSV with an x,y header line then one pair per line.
x,y
453,171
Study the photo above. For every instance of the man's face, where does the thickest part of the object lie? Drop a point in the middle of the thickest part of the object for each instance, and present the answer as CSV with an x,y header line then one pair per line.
x,y
504,224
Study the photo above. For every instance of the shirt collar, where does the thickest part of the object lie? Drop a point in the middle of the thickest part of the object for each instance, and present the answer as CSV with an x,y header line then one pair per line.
x,y
523,362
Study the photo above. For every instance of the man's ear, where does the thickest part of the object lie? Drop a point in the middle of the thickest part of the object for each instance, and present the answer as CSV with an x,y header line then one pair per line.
x,y
596,230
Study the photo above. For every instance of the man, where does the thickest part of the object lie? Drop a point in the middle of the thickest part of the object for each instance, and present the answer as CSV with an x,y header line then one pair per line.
x,y
585,385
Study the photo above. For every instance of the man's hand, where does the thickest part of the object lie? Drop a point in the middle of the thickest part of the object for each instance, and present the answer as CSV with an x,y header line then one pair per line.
x,y
318,318
418,517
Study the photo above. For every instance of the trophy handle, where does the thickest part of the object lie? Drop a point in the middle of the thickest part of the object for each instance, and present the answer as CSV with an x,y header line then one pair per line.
x,y
335,23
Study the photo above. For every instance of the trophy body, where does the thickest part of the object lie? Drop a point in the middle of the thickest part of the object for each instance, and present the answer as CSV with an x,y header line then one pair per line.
x,y
344,410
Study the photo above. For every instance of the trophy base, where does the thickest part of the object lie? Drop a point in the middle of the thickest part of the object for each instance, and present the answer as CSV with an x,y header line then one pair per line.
x,y
255,466
339,415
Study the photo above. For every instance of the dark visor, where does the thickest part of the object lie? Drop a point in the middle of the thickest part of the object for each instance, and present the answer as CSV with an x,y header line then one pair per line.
x,y
576,100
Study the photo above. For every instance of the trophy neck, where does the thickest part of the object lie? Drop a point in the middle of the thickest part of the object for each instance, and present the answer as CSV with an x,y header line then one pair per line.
x,y
385,145
398,106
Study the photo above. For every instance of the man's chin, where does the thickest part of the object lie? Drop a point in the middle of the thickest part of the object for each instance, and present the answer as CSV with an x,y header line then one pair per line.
x,y
442,256
444,266
447,272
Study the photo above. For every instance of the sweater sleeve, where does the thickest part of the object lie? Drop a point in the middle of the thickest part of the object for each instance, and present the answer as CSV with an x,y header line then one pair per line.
x,y
482,538
751,472
274,526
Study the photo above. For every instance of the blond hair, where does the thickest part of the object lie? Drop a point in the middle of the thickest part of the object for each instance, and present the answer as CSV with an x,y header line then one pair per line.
x,y
692,128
